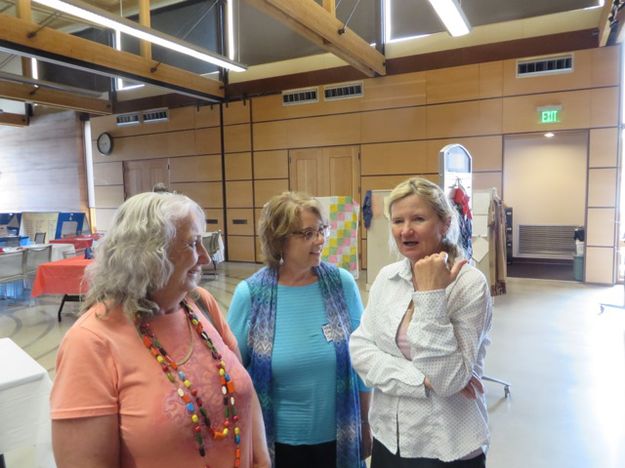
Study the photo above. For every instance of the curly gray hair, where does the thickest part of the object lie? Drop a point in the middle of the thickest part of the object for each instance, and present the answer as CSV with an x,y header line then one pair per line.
x,y
131,261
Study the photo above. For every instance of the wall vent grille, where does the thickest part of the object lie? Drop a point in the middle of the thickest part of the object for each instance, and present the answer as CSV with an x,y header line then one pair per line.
x,y
547,240
545,66
343,91
128,119
294,97
156,115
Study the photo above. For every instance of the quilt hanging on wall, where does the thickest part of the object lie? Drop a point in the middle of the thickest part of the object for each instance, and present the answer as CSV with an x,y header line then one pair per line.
x,y
341,248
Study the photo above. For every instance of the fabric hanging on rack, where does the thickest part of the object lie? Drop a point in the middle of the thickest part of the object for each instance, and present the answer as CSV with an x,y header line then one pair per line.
x,y
460,201
497,247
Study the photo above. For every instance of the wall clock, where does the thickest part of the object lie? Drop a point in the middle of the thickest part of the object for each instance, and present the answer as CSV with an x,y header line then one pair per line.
x,y
105,143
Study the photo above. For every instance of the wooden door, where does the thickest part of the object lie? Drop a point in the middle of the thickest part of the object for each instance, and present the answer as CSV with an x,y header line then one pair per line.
x,y
140,176
324,172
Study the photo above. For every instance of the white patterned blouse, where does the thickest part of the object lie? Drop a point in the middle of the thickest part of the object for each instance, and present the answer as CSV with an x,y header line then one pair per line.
x,y
448,335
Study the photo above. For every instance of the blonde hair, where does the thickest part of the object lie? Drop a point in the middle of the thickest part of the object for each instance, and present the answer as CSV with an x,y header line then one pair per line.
x,y
280,217
439,202
131,261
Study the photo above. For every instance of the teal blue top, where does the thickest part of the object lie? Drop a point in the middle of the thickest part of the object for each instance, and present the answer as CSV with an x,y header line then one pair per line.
x,y
303,363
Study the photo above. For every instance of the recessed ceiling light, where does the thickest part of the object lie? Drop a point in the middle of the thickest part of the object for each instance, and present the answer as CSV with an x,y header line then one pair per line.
x,y
550,134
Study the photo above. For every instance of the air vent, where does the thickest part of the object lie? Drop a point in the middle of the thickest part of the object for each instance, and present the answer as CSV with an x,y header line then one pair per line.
x,y
541,240
343,91
128,119
545,66
156,115
300,96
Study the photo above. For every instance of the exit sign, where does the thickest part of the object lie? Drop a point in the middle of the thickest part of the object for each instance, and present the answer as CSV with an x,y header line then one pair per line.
x,y
549,114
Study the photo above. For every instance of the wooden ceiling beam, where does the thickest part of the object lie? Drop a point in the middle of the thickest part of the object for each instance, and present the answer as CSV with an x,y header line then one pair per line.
x,y
604,24
49,44
53,98
14,120
314,22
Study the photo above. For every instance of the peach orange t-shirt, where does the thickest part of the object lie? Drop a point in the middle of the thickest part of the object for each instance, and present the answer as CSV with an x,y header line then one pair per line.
x,y
103,368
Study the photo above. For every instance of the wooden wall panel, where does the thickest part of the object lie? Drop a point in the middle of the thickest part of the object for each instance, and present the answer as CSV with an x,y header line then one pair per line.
x,y
603,147
604,105
236,112
464,119
207,141
271,164
487,152
602,187
486,180
214,220
605,66
328,130
237,138
108,174
265,189
600,227
393,125
180,118
270,135
43,165
239,194
453,84
491,79
408,157
152,146
109,196
207,116
195,168
520,114
599,265
394,91
240,222
241,248
238,166
388,182
590,68
259,253
205,194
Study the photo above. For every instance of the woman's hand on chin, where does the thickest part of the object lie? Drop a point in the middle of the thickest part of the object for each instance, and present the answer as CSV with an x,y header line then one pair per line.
x,y
432,272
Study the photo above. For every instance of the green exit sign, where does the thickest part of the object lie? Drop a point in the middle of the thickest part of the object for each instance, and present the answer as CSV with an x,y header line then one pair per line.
x,y
549,114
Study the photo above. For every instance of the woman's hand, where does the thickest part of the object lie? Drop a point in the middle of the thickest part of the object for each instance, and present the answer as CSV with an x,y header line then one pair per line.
x,y
432,273
473,389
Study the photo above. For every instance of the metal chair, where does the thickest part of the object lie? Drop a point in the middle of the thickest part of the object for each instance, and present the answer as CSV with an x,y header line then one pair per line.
x,y
211,244
11,269
34,257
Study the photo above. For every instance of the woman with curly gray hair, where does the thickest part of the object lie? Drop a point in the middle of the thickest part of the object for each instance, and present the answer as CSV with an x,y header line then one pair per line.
x,y
150,374
422,341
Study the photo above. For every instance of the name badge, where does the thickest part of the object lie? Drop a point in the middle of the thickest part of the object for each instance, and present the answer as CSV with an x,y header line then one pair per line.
x,y
327,332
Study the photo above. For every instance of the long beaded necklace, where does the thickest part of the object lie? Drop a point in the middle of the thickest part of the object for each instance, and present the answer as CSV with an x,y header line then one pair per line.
x,y
189,394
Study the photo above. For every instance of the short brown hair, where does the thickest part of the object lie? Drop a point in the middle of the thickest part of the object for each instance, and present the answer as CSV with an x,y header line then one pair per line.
x,y
280,217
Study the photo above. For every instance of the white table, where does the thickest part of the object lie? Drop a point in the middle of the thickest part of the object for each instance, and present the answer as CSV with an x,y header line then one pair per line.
x,y
24,404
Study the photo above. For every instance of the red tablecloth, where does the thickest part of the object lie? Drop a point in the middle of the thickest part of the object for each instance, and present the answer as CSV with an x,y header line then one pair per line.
x,y
61,277
81,242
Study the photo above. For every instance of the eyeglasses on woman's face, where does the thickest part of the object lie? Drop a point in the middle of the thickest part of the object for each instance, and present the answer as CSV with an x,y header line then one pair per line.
x,y
311,233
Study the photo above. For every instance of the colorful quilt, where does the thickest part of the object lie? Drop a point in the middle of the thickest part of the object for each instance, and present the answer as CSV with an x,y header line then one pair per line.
x,y
341,249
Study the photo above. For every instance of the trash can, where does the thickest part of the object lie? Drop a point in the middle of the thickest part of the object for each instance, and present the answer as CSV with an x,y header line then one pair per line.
x,y
578,267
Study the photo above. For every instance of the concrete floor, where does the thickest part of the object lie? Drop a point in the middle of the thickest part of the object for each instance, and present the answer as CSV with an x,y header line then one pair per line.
x,y
565,361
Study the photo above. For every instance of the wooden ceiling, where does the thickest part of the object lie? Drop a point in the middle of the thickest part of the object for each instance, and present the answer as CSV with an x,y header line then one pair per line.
x,y
273,36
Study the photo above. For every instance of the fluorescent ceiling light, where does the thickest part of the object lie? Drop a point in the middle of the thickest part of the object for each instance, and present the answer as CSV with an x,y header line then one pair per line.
x,y
108,20
451,15
550,134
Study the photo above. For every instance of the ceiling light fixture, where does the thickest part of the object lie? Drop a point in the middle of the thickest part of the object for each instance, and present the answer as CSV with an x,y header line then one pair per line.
x,y
550,134
452,16
108,20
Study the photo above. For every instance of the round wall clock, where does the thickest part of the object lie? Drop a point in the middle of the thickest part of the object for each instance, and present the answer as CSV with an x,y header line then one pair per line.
x,y
105,143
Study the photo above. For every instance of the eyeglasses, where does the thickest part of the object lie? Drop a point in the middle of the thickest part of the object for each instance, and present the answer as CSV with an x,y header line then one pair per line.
x,y
309,234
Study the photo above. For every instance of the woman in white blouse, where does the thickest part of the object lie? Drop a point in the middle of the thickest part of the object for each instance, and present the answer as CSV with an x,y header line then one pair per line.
x,y
422,341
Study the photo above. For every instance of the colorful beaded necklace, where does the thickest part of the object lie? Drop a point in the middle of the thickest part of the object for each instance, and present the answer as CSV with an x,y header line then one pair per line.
x,y
189,394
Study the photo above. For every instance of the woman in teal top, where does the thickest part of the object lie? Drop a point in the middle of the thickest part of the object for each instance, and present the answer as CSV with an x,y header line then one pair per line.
x,y
292,320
